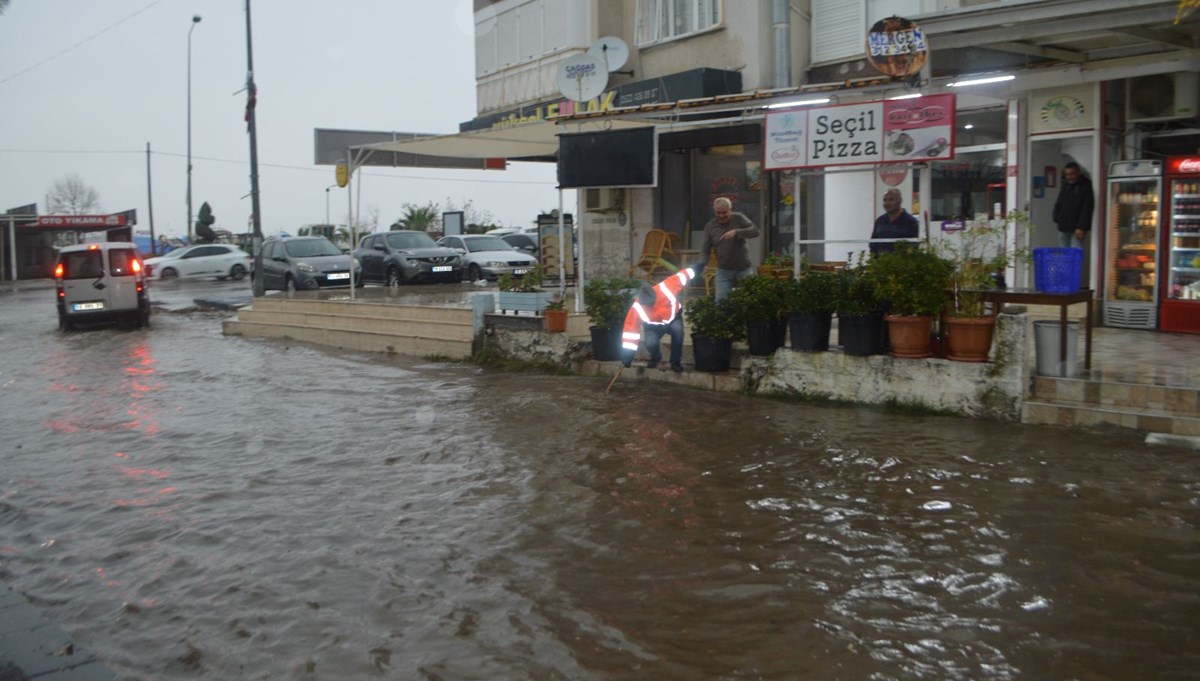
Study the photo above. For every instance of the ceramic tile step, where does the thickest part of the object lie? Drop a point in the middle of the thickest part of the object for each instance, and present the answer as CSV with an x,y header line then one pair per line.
x,y
1180,400
1070,413
361,341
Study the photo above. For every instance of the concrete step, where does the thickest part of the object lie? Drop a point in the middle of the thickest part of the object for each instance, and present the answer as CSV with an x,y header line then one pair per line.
x,y
362,309
353,339
1173,400
456,330
1073,413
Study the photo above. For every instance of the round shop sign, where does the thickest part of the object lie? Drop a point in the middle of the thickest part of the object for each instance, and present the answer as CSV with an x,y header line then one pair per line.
x,y
1062,112
896,47
893,175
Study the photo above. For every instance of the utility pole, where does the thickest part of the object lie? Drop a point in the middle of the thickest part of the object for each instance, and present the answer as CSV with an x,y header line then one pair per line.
x,y
150,204
260,288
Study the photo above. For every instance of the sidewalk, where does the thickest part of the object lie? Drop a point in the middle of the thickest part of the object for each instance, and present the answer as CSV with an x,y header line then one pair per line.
x,y
33,649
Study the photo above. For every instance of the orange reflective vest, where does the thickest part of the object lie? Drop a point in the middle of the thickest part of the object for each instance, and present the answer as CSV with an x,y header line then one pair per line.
x,y
666,307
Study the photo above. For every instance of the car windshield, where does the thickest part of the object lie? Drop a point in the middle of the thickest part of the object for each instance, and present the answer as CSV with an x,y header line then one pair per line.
x,y
487,243
308,248
402,241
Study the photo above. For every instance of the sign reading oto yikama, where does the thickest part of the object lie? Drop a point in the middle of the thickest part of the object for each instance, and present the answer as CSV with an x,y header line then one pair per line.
x,y
78,221
894,131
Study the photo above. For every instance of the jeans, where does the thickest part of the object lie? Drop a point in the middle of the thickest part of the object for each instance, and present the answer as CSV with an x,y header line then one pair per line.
x,y
654,334
1068,240
726,279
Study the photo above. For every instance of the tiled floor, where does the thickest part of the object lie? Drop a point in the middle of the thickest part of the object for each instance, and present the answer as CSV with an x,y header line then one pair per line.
x,y
1145,357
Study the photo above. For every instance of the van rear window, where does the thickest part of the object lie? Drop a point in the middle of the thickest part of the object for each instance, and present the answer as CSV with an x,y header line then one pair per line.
x,y
82,265
120,262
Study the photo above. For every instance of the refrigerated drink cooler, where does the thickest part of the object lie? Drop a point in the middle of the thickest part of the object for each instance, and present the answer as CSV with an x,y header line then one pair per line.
x,y
1131,261
1180,309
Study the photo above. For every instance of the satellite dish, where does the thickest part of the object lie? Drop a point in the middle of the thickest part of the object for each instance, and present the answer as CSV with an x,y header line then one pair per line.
x,y
612,51
581,77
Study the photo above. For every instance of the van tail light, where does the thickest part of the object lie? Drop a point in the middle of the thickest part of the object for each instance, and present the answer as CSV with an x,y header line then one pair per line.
x,y
58,271
136,265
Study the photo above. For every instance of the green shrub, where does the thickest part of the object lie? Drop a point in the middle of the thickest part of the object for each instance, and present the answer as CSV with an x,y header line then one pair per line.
x,y
812,292
606,301
758,297
913,281
715,320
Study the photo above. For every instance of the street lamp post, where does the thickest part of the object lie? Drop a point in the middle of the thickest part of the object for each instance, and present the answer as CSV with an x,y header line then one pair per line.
x,y
327,202
195,20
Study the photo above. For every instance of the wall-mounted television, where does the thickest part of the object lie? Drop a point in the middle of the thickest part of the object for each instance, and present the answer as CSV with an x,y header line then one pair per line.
x,y
614,158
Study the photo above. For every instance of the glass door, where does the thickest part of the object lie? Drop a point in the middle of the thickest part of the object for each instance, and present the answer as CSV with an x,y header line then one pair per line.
x,y
1183,276
1132,235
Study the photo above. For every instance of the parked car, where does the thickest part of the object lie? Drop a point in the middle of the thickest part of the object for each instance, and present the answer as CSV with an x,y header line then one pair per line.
x,y
488,257
406,256
100,282
526,242
203,260
305,263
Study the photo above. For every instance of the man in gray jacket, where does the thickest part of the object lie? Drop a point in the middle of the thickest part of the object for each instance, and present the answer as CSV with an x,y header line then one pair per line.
x,y
727,232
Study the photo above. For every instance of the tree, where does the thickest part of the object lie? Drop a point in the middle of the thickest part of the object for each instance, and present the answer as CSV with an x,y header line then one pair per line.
x,y
420,218
70,195
204,223
3,3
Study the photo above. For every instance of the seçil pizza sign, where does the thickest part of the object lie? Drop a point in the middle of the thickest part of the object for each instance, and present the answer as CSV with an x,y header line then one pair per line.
x,y
892,131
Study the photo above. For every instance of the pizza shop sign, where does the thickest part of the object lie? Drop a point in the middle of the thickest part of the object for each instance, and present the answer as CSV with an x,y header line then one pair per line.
x,y
893,131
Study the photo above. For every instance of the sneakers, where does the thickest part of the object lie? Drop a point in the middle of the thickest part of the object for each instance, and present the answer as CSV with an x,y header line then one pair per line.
x,y
677,368
652,364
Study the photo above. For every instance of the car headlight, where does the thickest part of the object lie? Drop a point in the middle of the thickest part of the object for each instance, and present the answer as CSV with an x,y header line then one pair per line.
x,y
495,263
305,267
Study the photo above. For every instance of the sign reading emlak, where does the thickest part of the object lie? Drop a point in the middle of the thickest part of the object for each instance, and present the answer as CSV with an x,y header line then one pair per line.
x,y
893,131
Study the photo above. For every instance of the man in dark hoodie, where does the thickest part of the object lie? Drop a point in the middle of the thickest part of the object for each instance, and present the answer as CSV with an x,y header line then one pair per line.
x,y
1074,206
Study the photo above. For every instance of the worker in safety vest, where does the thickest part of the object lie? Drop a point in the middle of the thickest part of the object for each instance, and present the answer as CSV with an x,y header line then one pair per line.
x,y
657,310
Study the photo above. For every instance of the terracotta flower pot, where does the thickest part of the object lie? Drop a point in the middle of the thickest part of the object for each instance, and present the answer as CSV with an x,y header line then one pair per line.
x,y
909,335
556,321
968,339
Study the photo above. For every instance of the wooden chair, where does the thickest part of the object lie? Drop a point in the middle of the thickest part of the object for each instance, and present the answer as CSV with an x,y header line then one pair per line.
x,y
710,273
653,264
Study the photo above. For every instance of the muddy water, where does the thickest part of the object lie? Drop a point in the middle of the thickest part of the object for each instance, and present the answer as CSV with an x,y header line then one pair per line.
x,y
191,506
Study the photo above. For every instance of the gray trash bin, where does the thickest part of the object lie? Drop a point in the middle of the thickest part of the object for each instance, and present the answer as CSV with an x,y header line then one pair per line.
x,y
1046,335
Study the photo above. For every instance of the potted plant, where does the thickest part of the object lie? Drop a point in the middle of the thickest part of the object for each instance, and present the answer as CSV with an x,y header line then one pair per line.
x,y
859,313
979,256
777,264
762,302
914,283
715,327
556,315
606,301
523,293
810,302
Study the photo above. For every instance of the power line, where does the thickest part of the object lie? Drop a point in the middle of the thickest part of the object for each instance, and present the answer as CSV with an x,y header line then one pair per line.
x,y
78,44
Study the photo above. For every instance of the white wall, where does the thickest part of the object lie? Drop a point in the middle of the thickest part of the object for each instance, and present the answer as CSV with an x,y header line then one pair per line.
x,y
850,210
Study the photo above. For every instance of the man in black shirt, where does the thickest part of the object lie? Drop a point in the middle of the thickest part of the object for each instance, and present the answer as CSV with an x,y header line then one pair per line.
x,y
895,223
1073,208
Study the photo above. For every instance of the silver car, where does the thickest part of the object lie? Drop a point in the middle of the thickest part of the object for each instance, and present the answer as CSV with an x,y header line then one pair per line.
x,y
487,257
202,260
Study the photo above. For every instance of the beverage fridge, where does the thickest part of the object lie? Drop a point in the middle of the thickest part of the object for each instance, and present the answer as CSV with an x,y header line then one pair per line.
x,y
1131,263
1180,309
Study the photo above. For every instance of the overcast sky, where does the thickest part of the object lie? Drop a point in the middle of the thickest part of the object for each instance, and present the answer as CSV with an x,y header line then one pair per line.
x,y
86,84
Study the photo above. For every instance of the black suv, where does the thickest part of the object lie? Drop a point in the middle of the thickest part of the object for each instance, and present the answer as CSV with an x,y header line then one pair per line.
x,y
406,256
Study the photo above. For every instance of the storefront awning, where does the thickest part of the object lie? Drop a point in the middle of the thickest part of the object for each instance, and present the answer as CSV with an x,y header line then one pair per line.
x,y
532,141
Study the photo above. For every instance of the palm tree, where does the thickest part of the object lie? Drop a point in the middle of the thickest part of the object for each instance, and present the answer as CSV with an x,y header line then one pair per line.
x,y
420,218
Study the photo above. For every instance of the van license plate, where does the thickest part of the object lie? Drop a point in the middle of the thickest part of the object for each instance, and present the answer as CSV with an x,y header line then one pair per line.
x,y
519,271
80,307
338,275
442,268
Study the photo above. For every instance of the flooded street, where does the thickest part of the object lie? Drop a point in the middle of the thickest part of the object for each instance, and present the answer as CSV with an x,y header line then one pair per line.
x,y
191,506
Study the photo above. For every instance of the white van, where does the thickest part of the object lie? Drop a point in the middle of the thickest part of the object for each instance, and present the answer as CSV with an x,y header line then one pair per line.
x,y
101,282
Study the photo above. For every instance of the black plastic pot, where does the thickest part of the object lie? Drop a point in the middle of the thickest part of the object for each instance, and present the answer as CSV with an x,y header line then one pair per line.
x,y
810,330
712,354
606,343
763,336
861,335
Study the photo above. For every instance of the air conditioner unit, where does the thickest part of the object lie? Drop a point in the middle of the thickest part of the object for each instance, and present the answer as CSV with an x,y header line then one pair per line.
x,y
1162,97
603,199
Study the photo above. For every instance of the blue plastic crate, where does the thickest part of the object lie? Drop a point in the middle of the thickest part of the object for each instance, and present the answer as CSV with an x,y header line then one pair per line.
x,y
1057,270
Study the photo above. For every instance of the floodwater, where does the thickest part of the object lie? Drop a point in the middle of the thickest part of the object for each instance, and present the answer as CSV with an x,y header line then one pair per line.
x,y
191,506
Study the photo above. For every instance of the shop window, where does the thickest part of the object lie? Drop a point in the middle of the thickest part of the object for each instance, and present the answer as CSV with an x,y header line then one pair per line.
x,y
662,20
